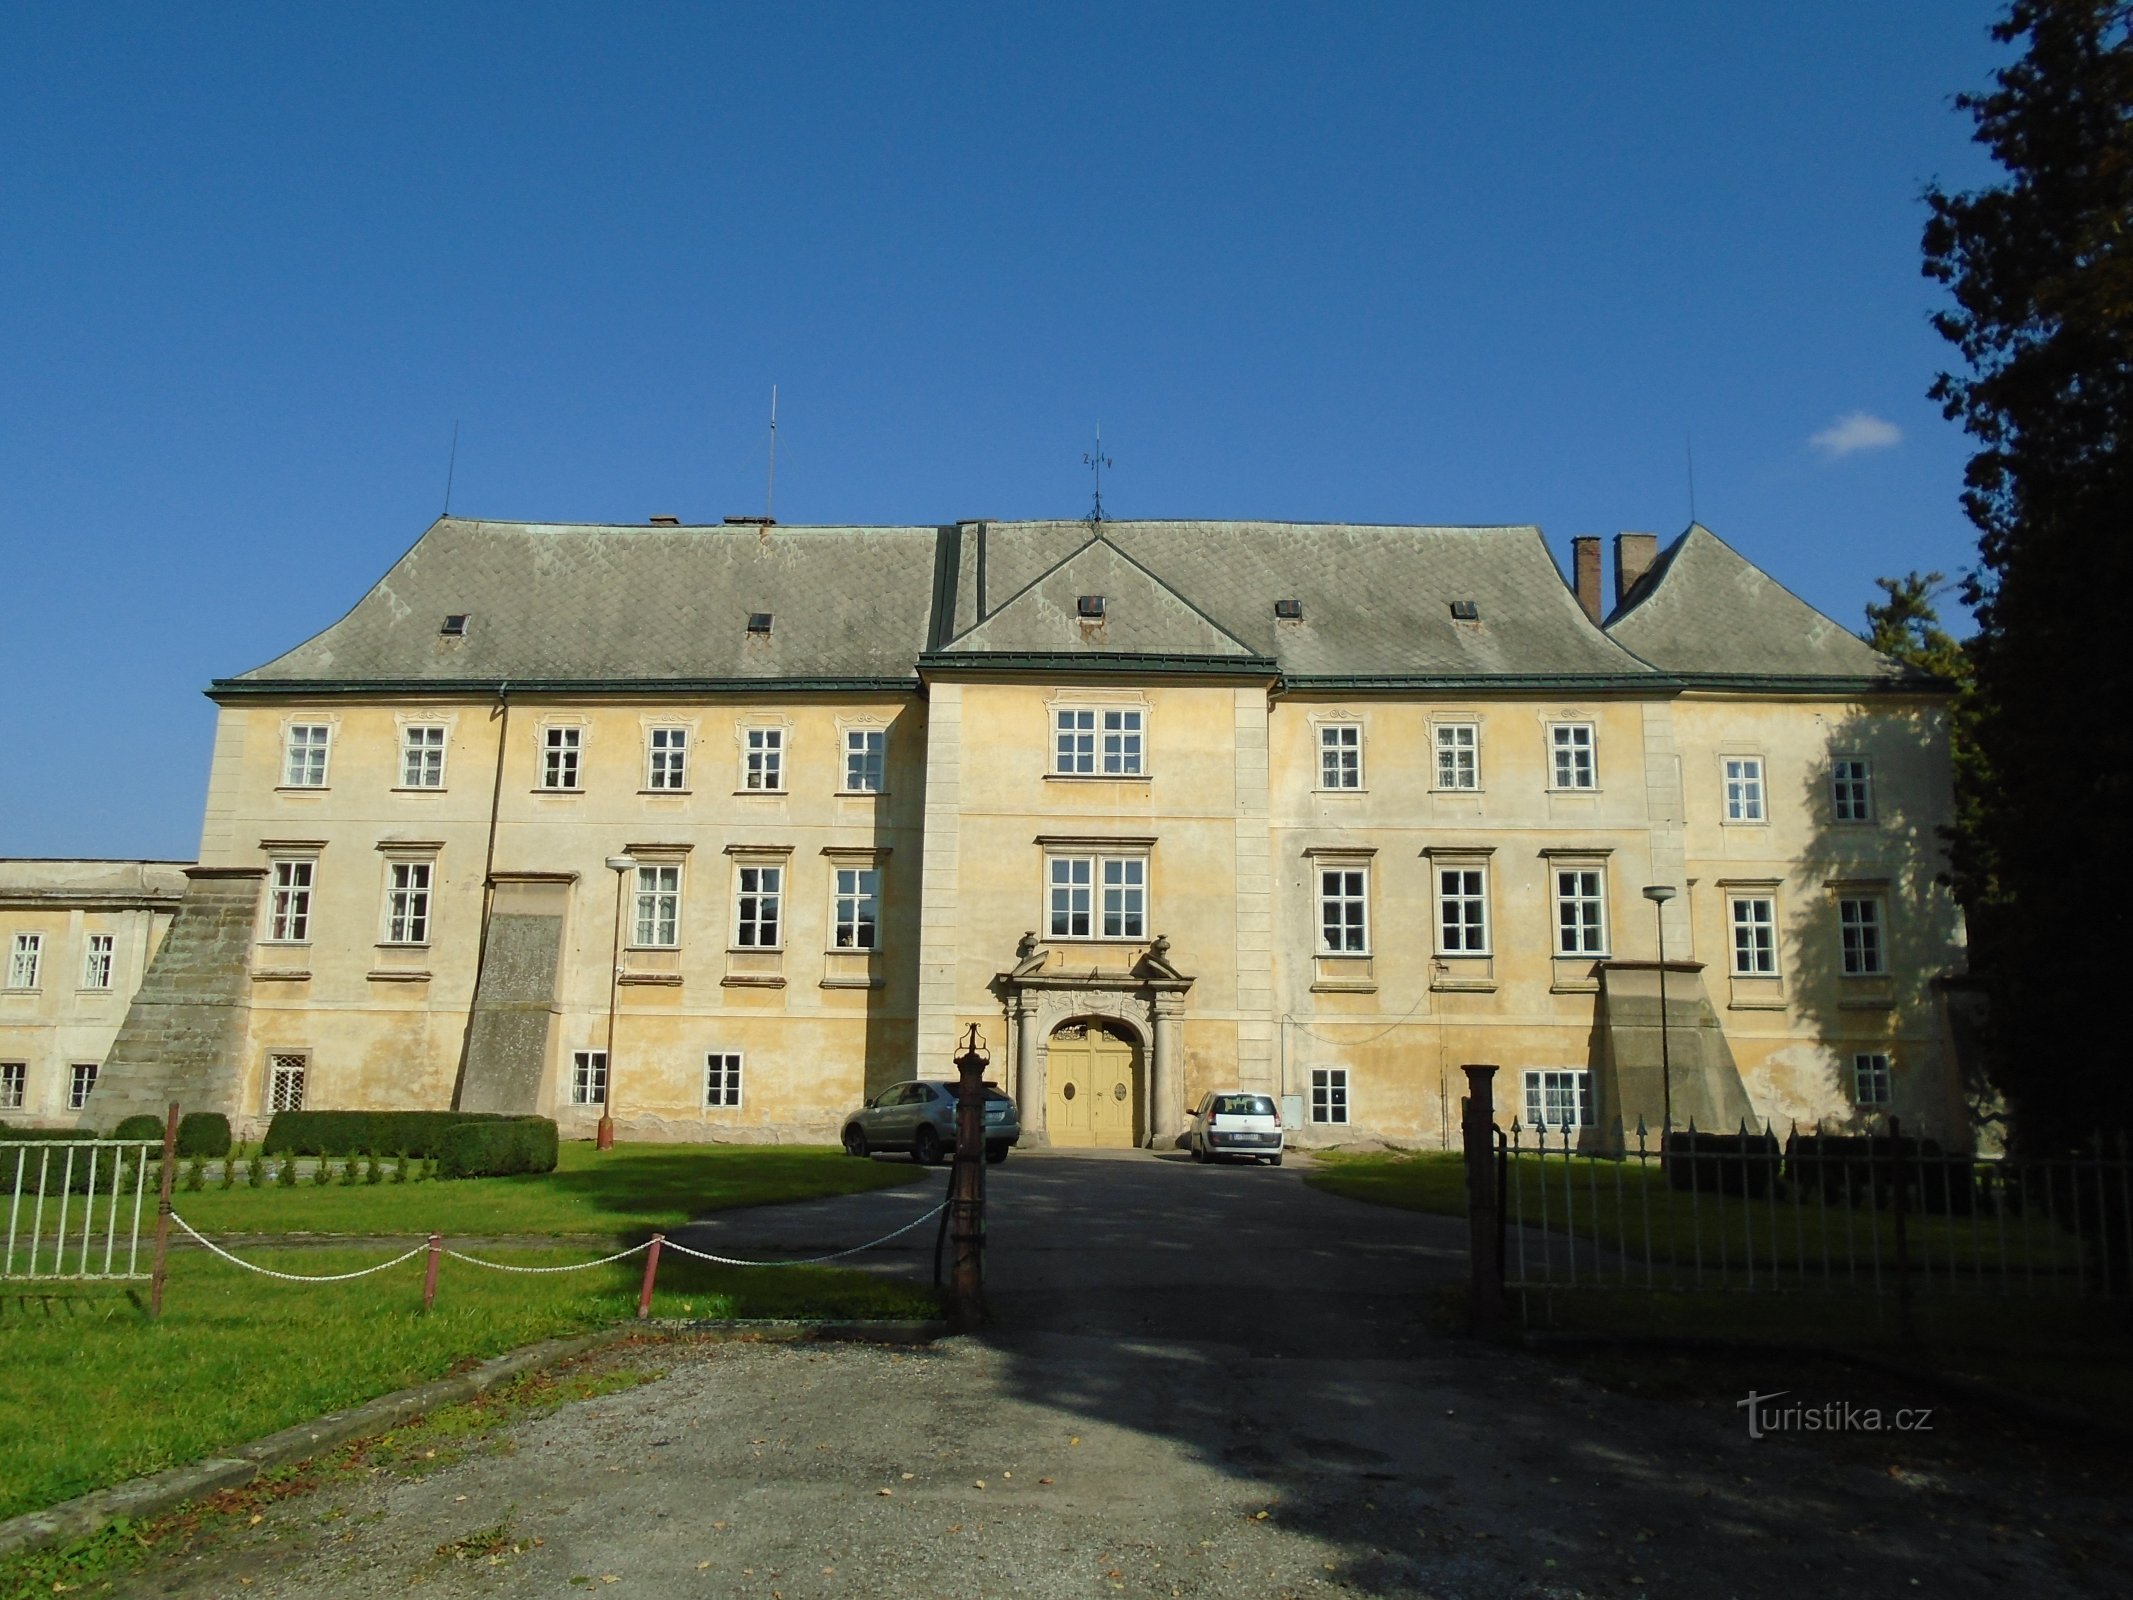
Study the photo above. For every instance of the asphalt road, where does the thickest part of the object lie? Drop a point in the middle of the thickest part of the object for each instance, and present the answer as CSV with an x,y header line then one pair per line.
x,y
1199,1383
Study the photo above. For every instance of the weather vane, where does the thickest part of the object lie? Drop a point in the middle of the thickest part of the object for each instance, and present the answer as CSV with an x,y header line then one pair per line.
x,y
1096,464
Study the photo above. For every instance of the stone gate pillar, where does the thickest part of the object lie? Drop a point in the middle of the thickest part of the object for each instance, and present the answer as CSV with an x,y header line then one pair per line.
x,y
1029,1081
1165,1109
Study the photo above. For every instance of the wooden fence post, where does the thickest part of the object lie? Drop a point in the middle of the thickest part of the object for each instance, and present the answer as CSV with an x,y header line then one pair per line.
x,y
429,1272
651,1271
1484,1213
162,1250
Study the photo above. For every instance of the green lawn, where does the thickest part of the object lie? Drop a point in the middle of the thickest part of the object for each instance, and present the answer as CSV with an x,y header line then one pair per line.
x,y
627,1192
93,1393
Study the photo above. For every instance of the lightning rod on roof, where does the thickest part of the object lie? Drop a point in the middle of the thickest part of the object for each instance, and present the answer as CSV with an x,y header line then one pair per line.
x,y
451,466
1096,463
770,490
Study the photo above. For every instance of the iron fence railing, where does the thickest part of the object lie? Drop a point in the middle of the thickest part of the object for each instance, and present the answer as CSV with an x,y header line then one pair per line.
x,y
1882,1213
75,1207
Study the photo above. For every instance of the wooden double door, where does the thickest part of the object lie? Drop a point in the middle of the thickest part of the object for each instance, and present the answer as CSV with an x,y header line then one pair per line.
x,y
1092,1087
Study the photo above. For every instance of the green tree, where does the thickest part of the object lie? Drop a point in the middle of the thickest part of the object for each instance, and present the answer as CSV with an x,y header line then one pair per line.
x,y
2039,270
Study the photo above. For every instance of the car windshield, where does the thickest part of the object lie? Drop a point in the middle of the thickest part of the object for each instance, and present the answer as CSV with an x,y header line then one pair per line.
x,y
1243,1105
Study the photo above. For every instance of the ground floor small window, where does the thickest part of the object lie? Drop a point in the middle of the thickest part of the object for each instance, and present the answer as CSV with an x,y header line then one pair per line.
x,y
1329,1094
1870,1078
1558,1099
588,1078
285,1082
722,1079
80,1082
14,1084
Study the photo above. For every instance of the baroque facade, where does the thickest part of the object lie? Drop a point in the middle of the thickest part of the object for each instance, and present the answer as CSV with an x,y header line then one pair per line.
x,y
724,828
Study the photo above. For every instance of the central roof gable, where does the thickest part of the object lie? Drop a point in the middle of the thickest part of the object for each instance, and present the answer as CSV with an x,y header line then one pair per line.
x,y
1139,614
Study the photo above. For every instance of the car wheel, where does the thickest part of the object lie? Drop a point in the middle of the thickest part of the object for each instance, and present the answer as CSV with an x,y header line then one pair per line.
x,y
926,1148
855,1141
1196,1152
1273,1161
996,1153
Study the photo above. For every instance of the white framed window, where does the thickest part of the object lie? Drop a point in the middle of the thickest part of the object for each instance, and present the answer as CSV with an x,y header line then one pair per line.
x,y
25,956
1458,755
1754,936
588,1078
422,756
304,746
1570,750
1344,911
759,912
285,1080
656,924
1558,1098
1871,1085
1580,911
1744,788
854,915
864,753
560,749
1463,911
407,902
1861,936
667,759
14,1084
1097,897
289,900
1851,789
96,961
81,1083
722,1078
1098,742
763,760
1329,1095
1340,755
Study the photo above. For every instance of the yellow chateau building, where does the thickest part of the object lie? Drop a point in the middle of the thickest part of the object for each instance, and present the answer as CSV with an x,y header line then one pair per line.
x,y
726,828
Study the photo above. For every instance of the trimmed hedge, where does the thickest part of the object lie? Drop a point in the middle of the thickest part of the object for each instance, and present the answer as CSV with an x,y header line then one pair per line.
x,y
203,1133
50,1133
498,1149
347,1133
141,1125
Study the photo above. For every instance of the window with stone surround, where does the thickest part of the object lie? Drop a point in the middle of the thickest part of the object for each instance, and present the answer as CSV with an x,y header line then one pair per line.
x,y
81,1083
1754,920
14,1084
24,959
289,887
722,1079
561,748
304,749
422,756
1458,755
667,759
1340,755
1572,763
588,1078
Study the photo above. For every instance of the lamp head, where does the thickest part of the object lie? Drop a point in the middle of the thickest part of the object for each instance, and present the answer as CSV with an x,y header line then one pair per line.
x,y
1658,893
624,863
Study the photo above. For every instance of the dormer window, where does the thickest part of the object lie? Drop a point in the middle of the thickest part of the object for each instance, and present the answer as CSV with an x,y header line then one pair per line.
x,y
455,625
1289,610
758,622
1090,607
1465,611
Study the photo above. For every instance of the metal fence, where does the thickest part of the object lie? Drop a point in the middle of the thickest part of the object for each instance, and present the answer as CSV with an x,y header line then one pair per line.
x,y
1879,1213
75,1207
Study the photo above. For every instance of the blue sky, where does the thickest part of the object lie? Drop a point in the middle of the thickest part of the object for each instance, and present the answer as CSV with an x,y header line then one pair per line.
x,y
1413,263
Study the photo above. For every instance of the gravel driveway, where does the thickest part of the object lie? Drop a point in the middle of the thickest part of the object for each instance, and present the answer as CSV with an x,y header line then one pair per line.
x,y
1204,1383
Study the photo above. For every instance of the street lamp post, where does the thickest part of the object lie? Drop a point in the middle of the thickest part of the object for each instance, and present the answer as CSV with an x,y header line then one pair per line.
x,y
604,1138
1659,894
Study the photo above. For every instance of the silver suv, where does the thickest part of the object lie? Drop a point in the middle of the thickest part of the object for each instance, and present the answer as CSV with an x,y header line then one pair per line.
x,y
919,1116
1235,1122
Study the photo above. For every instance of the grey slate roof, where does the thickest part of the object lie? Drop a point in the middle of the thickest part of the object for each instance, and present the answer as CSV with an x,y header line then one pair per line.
x,y
579,606
1705,610
1376,600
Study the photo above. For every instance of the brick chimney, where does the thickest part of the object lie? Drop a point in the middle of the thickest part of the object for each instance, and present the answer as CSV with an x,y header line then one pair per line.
x,y
1634,555
1585,563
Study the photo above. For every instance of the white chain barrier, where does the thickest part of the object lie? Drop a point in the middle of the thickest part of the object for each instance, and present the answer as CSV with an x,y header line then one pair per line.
x,y
294,1277
574,1266
810,1261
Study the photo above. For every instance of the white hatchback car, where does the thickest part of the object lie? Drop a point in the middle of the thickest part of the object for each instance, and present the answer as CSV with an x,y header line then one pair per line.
x,y
1235,1122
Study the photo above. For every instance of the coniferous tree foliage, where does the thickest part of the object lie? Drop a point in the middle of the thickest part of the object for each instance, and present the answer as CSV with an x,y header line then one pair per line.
x,y
2039,268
